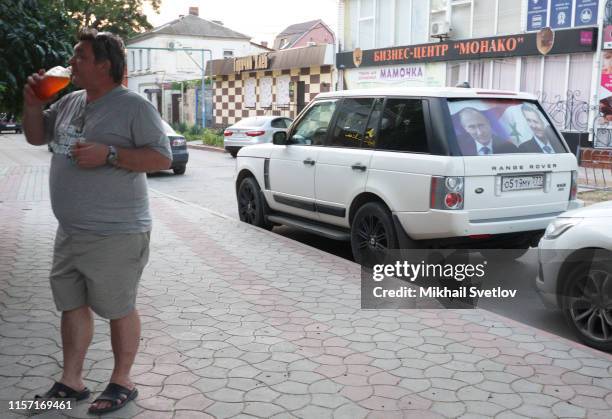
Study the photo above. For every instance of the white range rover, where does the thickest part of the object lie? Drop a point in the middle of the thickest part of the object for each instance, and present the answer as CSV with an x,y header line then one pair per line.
x,y
410,168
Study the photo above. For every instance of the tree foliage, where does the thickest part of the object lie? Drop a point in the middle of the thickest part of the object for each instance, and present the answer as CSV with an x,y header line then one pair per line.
x,y
37,34
33,36
122,17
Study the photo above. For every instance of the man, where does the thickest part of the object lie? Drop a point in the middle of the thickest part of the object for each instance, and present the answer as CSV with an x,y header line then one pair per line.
x,y
105,139
540,142
480,139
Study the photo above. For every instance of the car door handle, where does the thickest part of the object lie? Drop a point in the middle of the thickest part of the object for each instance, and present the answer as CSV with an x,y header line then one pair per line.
x,y
309,161
359,166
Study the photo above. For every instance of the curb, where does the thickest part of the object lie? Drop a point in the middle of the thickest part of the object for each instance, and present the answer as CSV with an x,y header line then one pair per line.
x,y
206,147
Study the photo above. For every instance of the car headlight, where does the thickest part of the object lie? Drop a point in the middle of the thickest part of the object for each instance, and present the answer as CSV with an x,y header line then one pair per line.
x,y
560,226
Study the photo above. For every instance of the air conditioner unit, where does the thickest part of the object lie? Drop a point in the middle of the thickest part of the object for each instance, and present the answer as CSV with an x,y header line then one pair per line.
x,y
440,30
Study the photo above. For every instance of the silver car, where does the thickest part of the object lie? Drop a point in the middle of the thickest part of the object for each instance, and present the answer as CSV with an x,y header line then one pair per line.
x,y
253,130
575,272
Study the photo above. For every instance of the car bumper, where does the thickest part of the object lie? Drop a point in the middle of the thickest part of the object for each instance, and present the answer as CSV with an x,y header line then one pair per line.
x,y
179,157
436,224
244,142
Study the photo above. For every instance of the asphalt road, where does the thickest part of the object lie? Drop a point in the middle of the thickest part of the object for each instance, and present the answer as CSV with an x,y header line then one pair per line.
x,y
208,182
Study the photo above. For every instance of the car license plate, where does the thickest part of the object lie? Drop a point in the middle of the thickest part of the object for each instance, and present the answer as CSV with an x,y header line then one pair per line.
x,y
521,183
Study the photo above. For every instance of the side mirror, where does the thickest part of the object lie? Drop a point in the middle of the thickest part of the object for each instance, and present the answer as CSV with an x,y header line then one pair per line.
x,y
279,138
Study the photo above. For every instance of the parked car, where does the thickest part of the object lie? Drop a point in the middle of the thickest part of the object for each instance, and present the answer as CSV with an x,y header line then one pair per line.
x,y
8,123
180,154
253,130
427,167
575,274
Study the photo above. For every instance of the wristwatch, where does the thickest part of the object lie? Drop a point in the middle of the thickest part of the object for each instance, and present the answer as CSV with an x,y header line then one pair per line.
x,y
111,157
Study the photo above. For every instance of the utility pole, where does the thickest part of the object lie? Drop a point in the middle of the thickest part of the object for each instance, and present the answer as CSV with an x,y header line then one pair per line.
x,y
202,68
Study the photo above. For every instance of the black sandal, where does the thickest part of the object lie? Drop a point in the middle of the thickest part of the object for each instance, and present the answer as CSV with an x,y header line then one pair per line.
x,y
62,391
117,395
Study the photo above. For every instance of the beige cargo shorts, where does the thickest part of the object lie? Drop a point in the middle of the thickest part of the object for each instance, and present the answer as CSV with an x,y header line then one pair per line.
x,y
99,271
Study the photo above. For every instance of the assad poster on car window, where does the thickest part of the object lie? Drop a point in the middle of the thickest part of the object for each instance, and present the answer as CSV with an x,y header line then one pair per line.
x,y
493,126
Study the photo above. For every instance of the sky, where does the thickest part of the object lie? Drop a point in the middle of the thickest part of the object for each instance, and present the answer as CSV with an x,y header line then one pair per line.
x,y
260,19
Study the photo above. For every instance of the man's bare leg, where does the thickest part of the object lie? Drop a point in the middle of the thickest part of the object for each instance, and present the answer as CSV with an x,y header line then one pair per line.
x,y
77,331
125,337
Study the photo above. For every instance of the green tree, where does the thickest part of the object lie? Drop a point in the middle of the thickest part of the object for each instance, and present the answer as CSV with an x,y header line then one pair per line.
x,y
122,17
37,34
33,36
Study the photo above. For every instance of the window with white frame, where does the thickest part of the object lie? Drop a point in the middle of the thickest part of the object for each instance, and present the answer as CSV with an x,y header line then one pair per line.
x,y
384,33
461,17
402,29
228,53
508,16
484,22
367,10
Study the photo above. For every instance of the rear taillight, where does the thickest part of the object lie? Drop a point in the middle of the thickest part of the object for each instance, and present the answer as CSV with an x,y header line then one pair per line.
x,y
255,133
574,188
446,193
227,133
177,142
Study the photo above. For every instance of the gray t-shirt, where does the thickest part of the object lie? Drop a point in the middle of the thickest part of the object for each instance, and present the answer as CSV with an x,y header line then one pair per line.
x,y
105,200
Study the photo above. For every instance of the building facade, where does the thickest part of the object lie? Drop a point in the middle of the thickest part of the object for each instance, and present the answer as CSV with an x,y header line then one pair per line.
x,y
491,44
274,83
304,34
160,61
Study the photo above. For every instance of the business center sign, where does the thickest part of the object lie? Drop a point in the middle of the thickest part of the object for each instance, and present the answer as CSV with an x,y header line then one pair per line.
x,y
562,13
566,41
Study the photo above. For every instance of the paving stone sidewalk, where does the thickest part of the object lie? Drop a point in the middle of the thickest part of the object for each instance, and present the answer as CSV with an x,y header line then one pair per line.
x,y
242,323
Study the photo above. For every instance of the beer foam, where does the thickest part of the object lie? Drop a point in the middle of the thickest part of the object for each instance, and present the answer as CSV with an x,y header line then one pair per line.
x,y
59,71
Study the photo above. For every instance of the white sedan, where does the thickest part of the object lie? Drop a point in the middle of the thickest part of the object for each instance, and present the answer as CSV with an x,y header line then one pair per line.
x,y
575,275
253,130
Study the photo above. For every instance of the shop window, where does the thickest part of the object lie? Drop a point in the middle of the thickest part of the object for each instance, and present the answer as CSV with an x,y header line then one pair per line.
x,y
480,72
351,122
265,92
249,93
504,74
530,75
554,86
402,127
581,67
282,90
453,73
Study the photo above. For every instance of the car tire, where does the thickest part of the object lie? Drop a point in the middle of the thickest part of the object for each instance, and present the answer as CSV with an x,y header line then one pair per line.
x,y
251,205
372,234
587,303
503,254
179,170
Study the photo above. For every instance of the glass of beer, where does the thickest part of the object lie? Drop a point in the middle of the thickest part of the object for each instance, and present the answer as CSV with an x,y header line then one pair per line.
x,y
52,82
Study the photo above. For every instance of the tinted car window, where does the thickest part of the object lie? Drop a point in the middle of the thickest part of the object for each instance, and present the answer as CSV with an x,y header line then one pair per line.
x,y
312,128
402,127
351,123
278,123
502,126
371,132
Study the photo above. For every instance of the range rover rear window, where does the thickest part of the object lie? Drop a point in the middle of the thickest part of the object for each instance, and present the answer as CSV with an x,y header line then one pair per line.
x,y
502,126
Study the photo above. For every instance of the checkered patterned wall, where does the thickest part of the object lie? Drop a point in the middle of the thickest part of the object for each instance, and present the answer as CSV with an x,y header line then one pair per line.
x,y
232,93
